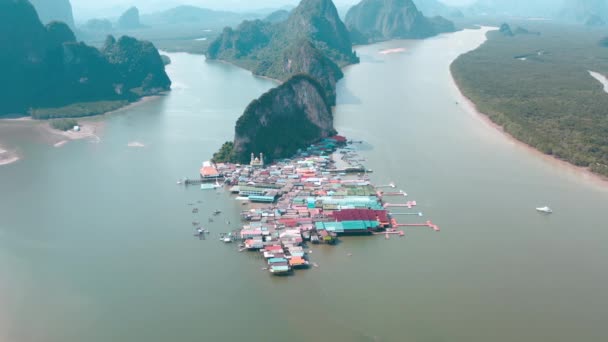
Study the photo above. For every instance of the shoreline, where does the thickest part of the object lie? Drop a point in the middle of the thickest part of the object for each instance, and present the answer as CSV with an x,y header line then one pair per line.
x,y
579,171
7,157
91,128
242,68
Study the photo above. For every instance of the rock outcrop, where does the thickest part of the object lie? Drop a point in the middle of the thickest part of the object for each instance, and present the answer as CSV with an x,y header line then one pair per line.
x,y
313,40
376,20
44,66
285,119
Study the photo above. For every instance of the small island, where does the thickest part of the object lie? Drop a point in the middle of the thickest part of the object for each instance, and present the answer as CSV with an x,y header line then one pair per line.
x,y
282,121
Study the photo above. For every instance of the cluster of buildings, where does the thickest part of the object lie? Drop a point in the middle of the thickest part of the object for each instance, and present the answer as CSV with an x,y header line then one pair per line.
x,y
318,195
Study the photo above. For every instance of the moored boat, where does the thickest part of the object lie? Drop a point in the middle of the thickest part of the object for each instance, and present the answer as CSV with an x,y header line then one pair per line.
x,y
545,209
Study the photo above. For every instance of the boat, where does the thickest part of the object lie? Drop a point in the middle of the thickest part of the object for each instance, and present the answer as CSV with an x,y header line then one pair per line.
x,y
545,209
210,186
217,212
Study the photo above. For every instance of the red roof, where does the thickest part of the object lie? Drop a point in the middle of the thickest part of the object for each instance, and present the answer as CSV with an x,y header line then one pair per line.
x,y
360,215
288,222
338,138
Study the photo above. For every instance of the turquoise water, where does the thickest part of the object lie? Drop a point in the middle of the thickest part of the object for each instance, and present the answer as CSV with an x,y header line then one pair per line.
x,y
96,238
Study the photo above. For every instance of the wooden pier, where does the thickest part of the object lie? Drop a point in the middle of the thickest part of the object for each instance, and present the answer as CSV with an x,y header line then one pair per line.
x,y
408,204
429,224
351,170
199,181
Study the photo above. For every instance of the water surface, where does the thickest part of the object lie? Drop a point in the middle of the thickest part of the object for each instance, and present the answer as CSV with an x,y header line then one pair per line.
x,y
96,238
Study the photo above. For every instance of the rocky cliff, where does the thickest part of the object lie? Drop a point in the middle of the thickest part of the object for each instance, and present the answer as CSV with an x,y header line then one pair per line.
x,y
138,64
44,66
313,40
374,20
54,10
285,119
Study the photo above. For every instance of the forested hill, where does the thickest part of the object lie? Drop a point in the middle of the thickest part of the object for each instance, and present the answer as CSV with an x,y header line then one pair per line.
x,y
313,40
538,87
45,67
376,20
285,119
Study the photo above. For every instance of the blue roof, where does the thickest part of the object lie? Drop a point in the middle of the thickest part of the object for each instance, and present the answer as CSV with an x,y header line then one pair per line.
x,y
280,268
276,260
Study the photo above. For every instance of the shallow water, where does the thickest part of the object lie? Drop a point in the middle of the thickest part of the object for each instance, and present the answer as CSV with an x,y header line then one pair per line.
x,y
96,239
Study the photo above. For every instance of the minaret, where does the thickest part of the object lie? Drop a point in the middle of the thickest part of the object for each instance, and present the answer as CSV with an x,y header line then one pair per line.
x,y
252,158
262,159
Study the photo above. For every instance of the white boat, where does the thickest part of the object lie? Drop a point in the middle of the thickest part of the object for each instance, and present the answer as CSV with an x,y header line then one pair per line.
x,y
544,210
210,186
227,239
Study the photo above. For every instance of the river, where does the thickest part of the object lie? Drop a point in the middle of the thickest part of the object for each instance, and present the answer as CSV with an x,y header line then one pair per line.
x,y
96,238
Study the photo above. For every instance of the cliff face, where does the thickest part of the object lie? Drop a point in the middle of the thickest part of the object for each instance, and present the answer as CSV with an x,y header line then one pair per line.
x,y
302,57
138,64
313,40
387,19
283,120
54,10
319,22
46,67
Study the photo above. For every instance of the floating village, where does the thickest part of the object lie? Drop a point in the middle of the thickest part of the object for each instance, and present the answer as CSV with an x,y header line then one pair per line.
x,y
315,197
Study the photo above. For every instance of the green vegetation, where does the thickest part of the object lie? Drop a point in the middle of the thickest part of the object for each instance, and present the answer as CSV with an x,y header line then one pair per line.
x,y
189,45
539,89
281,122
225,154
166,59
75,110
312,40
64,124
376,20
45,67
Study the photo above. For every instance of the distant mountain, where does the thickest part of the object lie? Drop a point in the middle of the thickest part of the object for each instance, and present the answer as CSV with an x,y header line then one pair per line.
x,y
277,16
588,12
437,8
44,66
285,119
99,25
514,8
183,15
129,20
313,40
54,10
373,20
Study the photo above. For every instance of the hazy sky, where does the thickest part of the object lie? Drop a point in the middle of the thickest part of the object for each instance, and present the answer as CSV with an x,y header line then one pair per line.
x,y
84,9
